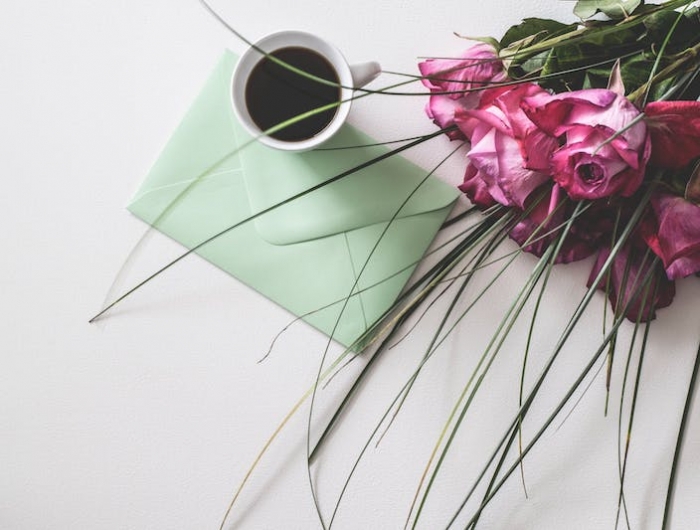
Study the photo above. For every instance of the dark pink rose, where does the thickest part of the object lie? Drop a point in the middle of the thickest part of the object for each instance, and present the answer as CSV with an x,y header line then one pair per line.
x,y
673,233
507,149
464,78
543,226
603,150
624,282
674,127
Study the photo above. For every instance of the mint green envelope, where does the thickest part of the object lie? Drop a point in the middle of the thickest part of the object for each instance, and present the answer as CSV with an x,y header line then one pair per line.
x,y
306,255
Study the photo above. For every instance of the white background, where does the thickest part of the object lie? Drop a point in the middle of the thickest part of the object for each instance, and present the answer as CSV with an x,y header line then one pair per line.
x,y
150,419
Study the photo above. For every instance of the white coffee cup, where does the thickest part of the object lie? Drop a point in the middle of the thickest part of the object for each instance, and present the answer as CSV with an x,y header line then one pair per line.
x,y
349,78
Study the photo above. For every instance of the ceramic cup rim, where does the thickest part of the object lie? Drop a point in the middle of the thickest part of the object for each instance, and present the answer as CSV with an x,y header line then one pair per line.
x,y
276,41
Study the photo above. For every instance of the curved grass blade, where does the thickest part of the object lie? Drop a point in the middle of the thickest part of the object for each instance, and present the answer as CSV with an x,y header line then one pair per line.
x,y
411,302
361,146
459,412
668,506
646,88
622,460
489,84
512,314
449,263
519,430
407,384
364,339
280,427
466,279
648,277
644,285
504,327
558,347
467,272
254,216
358,276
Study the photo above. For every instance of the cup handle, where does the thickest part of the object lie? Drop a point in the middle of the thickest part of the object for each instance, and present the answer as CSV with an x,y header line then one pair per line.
x,y
364,73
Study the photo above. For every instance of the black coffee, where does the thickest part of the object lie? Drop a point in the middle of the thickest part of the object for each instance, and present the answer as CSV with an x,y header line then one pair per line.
x,y
275,94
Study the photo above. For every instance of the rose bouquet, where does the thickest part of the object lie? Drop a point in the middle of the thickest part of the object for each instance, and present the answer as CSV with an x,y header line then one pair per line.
x,y
581,141
586,138
544,154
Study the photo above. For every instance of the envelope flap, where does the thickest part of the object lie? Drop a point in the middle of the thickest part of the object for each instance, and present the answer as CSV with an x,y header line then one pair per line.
x,y
373,195
196,189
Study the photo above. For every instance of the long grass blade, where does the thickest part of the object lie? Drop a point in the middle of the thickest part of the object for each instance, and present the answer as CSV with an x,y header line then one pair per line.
x,y
358,276
254,216
552,416
559,346
544,267
622,461
474,383
398,396
668,506
411,300
528,343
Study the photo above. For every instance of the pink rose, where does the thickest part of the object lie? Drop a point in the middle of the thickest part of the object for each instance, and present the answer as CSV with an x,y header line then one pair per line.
x,y
673,233
675,132
506,155
465,78
603,150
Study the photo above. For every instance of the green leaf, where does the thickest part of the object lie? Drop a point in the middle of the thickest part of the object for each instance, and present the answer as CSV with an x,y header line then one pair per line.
x,y
612,8
636,71
488,40
658,26
530,27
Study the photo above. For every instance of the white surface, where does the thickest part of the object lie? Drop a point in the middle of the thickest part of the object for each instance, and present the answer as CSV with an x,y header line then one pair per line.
x,y
150,419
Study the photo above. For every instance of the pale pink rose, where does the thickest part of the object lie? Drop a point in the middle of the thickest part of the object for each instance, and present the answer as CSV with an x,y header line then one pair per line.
x,y
507,150
603,152
458,83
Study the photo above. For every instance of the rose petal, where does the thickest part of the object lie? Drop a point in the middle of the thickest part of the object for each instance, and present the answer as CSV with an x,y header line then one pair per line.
x,y
442,109
543,226
623,283
553,112
476,68
515,181
468,120
475,188
484,157
675,234
675,132
537,149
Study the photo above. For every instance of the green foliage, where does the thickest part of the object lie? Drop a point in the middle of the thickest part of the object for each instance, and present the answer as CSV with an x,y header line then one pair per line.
x,y
585,61
659,25
532,30
565,57
615,9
